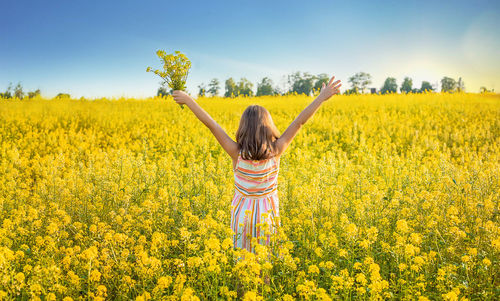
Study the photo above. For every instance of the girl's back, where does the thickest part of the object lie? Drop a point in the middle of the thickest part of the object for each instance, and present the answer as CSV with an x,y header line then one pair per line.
x,y
255,201
256,178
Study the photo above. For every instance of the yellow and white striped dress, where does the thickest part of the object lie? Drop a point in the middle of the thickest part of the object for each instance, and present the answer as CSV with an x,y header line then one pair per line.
x,y
255,201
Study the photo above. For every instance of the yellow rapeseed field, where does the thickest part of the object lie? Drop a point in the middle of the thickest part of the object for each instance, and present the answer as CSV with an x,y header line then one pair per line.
x,y
381,197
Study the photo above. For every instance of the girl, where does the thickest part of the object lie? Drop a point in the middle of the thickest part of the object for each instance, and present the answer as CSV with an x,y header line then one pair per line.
x,y
256,156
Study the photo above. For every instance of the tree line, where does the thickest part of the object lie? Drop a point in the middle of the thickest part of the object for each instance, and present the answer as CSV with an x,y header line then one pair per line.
x,y
297,83
300,83
447,85
306,83
18,92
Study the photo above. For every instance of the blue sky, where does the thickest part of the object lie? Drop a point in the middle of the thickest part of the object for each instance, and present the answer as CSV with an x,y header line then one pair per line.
x,y
102,48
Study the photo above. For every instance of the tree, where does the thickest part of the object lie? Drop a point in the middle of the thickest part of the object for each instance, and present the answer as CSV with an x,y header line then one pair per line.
x,y
282,88
406,87
360,81
63,95
483,89
277,91
231,88
163,90
265,87
18,91
390,86
448,84
8,92
320,79
426,86
213,87
301,84
202,90
245,87
460,85
34,93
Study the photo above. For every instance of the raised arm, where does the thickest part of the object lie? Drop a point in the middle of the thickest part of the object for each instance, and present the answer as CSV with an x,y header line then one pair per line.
x,y
326,92
228,144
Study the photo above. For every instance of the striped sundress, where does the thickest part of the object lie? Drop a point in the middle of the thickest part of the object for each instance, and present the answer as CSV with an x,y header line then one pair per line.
x,y
255,201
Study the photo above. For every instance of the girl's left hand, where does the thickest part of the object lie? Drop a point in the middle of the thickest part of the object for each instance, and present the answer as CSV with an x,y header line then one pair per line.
x,y
329,90
181,97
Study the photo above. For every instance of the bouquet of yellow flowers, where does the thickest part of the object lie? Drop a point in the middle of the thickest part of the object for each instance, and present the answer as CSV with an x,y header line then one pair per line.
x,y
175,69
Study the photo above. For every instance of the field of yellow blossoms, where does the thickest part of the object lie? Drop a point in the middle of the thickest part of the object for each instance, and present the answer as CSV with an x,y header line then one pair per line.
x,y
381,197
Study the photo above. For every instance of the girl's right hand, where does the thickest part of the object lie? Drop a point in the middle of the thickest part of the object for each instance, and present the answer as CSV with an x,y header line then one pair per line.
x,y
181,97
329,90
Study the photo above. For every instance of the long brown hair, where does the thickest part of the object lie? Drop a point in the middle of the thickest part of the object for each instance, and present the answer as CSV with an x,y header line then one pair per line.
x,y
256,134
